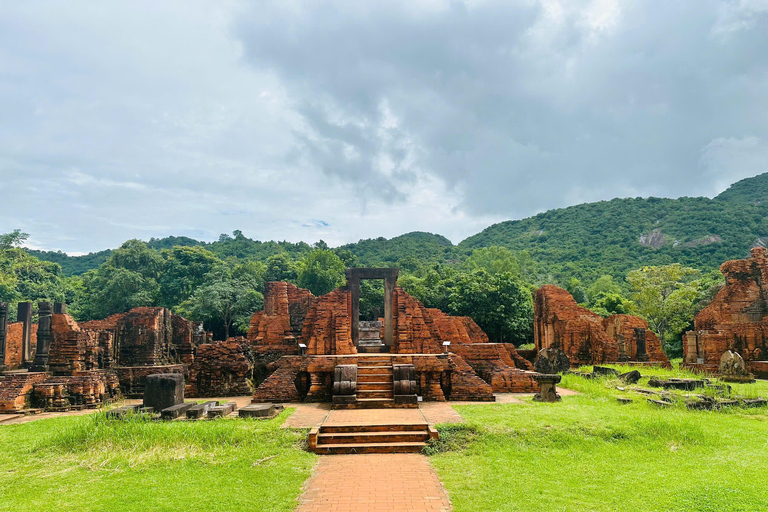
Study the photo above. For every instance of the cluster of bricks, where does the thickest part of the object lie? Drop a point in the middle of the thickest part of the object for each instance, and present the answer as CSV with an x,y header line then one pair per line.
x,y
737,318
88,389
327,326
280,323
586,337
16,390
223,368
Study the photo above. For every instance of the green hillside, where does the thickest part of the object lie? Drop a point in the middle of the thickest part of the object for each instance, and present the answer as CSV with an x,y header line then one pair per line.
x,y
583,241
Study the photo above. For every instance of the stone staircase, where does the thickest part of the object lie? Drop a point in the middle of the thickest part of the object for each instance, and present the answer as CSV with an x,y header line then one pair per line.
x,y
375,387
370,438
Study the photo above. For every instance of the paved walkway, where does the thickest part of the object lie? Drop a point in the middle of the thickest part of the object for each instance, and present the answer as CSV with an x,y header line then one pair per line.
x,y
374,482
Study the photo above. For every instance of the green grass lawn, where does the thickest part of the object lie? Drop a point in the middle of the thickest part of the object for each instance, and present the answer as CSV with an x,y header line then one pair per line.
x,y
589,452
91,463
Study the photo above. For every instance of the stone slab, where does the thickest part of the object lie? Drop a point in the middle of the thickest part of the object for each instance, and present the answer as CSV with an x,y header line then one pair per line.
x,y
220,411
200,410
259,411
174,411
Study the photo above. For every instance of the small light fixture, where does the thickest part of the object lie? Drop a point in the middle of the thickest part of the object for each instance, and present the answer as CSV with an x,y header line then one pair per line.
x,y
446,344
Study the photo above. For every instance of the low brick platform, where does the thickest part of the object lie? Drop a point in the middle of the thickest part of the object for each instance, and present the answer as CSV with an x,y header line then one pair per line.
x,y
378,482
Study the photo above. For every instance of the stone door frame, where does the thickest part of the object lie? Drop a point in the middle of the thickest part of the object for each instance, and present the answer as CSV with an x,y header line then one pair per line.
x,y
389,276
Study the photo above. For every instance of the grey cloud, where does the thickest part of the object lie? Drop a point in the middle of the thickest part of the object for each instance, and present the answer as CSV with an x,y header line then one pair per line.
x,y
144,119
522,106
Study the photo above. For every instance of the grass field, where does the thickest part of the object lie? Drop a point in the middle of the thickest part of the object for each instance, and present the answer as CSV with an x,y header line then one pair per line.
x,y
91,463
589,452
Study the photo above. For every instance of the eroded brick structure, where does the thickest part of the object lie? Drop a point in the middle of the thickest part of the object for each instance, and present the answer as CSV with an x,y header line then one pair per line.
x,y
737,318
279,326
86,364
469,368
586,337
223,368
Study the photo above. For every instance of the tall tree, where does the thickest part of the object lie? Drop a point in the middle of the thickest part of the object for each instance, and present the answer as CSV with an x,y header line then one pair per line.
x,y
128,279
665,296
225,298
280,267
501,304
184,269
321,271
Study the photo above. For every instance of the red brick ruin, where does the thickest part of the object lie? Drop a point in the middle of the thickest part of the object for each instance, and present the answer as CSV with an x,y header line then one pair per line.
x,y
296,345
303,338
737,319
589,339
59,363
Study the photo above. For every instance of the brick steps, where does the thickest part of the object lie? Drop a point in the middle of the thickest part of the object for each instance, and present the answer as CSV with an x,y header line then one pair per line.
x,y
380,384
381,438
374,370
374,378
339,449
383,427
374,393
373,437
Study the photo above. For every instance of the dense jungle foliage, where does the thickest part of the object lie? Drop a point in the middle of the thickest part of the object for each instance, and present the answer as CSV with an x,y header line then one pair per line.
x,y
653,257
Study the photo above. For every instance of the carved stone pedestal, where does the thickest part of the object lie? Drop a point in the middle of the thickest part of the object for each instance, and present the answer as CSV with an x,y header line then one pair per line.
x,y
547,388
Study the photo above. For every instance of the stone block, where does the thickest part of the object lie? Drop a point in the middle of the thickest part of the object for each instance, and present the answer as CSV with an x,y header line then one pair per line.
x,y
632,377
164,390
174,411
261,411
199,411
220,411
602,371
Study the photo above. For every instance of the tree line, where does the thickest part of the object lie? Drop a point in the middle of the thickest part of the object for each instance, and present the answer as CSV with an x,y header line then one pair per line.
x,y
493,285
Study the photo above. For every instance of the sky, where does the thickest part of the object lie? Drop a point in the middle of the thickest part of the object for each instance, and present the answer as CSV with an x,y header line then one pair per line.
x,y
341,120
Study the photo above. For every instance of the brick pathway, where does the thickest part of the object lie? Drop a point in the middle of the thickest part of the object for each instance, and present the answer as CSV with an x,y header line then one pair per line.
x,y
306,415
375,482
374,416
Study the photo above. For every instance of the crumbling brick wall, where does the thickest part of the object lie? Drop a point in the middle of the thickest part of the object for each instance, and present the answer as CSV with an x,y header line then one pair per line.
x,y
13,344
74,349
327,326
737,318
414,327
223,368
279,326
584,336
16,390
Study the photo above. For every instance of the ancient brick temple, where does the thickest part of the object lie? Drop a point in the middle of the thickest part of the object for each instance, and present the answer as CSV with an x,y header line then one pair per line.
x,y
58,363
737,318
304,338
586,337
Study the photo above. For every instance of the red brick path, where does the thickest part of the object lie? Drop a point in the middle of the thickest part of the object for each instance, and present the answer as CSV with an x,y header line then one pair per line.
x,y
374,482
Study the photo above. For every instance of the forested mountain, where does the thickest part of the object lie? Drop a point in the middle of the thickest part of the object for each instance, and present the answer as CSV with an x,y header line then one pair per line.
x,y
583,241
613,256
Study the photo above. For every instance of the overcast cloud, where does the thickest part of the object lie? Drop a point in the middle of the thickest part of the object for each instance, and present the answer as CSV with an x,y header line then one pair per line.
x,y
345,120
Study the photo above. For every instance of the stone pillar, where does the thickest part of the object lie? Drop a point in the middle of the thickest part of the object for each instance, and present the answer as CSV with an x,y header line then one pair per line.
x,y
24,315
622,349
354,288
59,308
44,337
641,355
389,290
3,332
